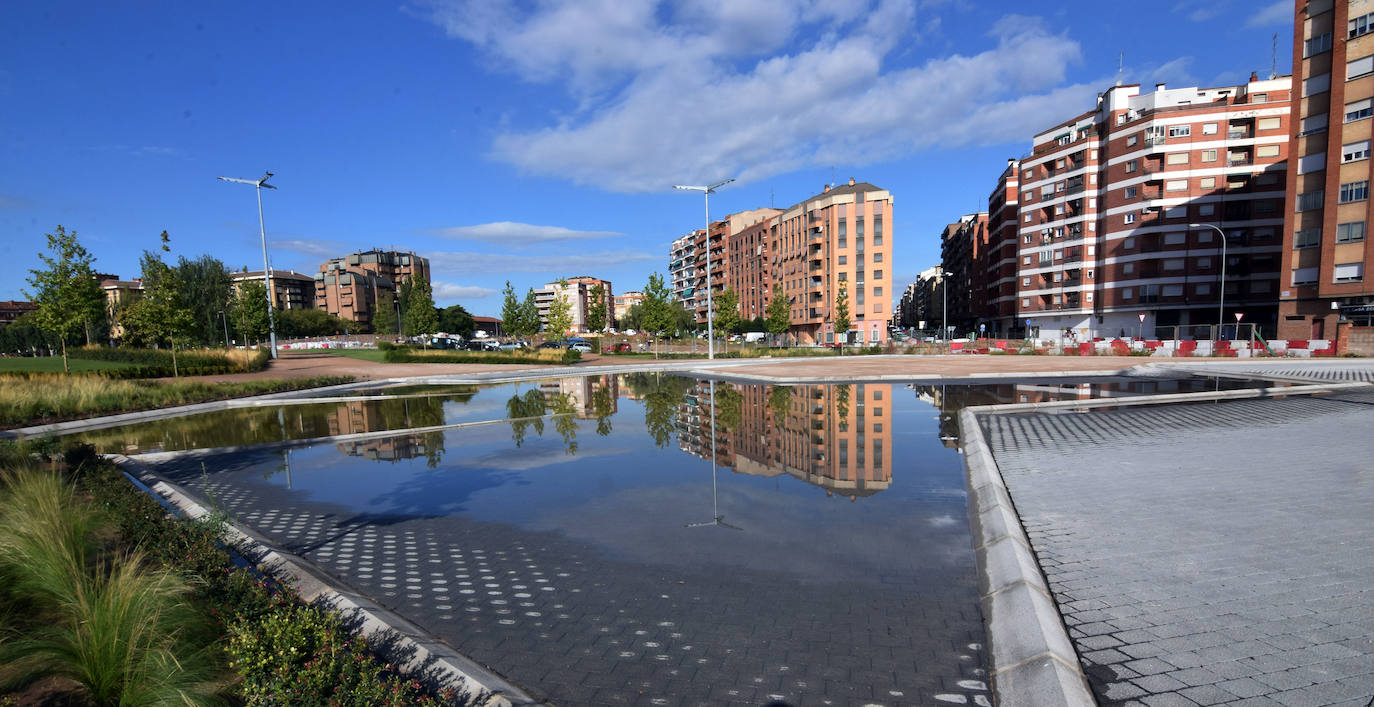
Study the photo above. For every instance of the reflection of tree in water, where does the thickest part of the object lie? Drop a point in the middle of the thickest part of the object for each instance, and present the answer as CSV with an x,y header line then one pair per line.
x,y
729,407
601,407
842,406
662,394
779,400
527,411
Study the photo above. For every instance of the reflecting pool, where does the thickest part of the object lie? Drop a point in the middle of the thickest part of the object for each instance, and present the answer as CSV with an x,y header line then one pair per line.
x,y
586,546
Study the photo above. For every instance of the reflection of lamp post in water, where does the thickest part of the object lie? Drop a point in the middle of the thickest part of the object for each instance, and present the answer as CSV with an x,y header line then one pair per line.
x,y
716,517
285,451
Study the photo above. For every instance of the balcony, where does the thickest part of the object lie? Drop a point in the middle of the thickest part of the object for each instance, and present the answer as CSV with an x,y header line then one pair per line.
x,y
1237,134
1154,141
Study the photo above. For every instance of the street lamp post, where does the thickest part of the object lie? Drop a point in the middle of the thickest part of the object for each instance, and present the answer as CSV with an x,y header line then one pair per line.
x,y
224,318
707,191
1221,288
266,265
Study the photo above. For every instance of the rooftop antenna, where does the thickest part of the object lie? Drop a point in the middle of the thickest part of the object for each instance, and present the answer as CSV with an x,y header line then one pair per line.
x,y
1120,67
832,176
1274,57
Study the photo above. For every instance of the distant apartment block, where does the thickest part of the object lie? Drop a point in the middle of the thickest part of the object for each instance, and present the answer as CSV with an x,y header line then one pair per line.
x,y
961,247
624,301
922,303
578,293
290,289
1325,256
999,259
11,310
348,287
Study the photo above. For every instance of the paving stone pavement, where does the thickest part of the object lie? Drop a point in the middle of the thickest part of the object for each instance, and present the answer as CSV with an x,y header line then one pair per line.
x,y
1214,553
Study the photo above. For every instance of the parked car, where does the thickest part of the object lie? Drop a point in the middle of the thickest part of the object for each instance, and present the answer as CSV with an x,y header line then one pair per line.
x,y
580,347
512,346
551,345
622,347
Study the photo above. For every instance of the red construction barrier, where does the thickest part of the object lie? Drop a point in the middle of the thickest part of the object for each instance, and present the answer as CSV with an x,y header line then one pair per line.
x,y
1297,343
956,345
1085,349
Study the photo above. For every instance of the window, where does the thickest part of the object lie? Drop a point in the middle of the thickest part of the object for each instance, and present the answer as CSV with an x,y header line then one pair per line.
x,y
877,257
844,277
1130,218
1089,296
1355,151
1204,263
1178,238
1173,291
844,260
1359,67
1209,155
1269,124
1311,200
1206,209
1026,239
1025,301
1180,130
1312,163
1131,165
1348,272
1177,158
877,292
1359,110
1350,232
1128,269
877,274
1317,45
1266,150
1176,185
1179,211
1025,282
1305,276
1360,26
1209,128
1128,244
1269,178
1173,264
1354,191
1132,140
1208,182
1026,260
1204,236
1204,289
1313,124
1320,83
1129,192
1128,293
1259,98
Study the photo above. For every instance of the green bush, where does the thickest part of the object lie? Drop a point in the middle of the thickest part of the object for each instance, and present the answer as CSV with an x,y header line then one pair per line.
x,y
385,346
409,354
570,357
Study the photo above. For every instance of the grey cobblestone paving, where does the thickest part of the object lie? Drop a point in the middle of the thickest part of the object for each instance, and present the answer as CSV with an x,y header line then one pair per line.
x,y
1358,371
1213,553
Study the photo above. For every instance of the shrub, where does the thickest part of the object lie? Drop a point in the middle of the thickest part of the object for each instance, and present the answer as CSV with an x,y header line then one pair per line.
x,y
407,354
570,357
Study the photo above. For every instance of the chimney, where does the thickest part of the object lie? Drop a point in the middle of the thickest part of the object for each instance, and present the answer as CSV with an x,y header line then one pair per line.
x,y
1254,76
825,189
1159,87
1011,161
851,181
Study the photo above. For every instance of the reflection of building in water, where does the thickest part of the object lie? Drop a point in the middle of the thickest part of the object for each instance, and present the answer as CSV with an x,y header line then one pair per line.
x,y
387,448
358,416
590,396
836,437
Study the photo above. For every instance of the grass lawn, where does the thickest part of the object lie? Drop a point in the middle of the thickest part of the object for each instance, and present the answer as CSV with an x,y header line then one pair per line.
x,y
53,364
373,355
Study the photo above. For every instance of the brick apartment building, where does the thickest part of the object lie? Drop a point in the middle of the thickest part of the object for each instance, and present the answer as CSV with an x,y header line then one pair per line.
x,y
291,289
1105,205
11,310
962,247
1325,256
348,287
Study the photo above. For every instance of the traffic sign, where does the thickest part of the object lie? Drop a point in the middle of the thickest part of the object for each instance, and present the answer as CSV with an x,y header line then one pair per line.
x,y
1142,317
1238,316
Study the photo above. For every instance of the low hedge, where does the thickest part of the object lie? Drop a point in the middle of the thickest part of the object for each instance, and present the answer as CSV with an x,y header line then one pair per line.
x,y
284,652
408,354
157,363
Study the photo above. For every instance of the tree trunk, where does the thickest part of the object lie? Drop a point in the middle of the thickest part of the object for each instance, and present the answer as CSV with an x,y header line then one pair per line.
x,y
175,374
66,368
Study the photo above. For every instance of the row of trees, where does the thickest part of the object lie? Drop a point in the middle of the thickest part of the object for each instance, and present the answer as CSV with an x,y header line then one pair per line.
x,y
660,313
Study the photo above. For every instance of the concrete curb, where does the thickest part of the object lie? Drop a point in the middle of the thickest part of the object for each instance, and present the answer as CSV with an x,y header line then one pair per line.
x,y
411,647
1032,661
1166,398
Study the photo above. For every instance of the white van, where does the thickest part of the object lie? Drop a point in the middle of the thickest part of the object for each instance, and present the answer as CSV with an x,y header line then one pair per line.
x,y
755,336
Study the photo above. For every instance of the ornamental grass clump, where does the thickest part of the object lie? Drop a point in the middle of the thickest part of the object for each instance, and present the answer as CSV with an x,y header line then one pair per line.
x,y
77,609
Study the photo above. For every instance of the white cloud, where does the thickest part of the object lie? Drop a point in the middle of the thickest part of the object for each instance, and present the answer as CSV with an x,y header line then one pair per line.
x,y
310,246
1278,13
452,263
449,290
512,233
671,94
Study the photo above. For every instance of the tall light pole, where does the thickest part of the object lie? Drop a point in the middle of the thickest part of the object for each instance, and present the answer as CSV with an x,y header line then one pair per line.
x,y
707,191
224,318
266,266
1221,288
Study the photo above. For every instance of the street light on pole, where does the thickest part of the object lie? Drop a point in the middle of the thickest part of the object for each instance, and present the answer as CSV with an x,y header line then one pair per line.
x,y
266,266
707,191
1221,288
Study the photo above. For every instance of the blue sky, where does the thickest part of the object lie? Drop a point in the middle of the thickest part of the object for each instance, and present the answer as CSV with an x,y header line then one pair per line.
x,y
526,140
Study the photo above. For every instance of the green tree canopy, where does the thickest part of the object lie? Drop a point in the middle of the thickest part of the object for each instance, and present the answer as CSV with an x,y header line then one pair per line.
x,y
510,311
779,312
298,323
597,316
205,292
656,312
65,290
454,319
529,315
420,319
560,313
161,314
842,315
727,311
248,311
384,320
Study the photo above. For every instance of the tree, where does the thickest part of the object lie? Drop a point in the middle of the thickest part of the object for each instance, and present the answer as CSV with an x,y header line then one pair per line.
x,y
160,314
633,318
403,298
729,407
597,316
842,406
560,312
454,319
205,290
779,312
419,317
296,323
842,316
684,321
656,314
510,311
249,311
529,314
780,401
727,311
66,292
384,320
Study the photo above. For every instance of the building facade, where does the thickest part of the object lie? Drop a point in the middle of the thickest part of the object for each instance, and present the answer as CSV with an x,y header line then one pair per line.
x,y
348,287
623,302
1325,257
961,245
291,290
999,259
1120,209
11,310
577,291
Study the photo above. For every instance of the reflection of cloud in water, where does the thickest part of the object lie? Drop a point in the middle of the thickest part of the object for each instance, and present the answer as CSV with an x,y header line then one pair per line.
x,y
813,539
529,457
942,521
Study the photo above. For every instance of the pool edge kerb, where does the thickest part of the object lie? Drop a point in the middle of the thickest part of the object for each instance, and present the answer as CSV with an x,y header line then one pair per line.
x,y
1032,660
426,651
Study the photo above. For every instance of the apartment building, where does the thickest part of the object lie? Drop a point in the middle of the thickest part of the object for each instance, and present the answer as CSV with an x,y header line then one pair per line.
x,y
348,287
748,257
1324,256
961,245
624,301
577,291
10,310
291,290
999,259
1120,208
922,304
685,276
837,238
